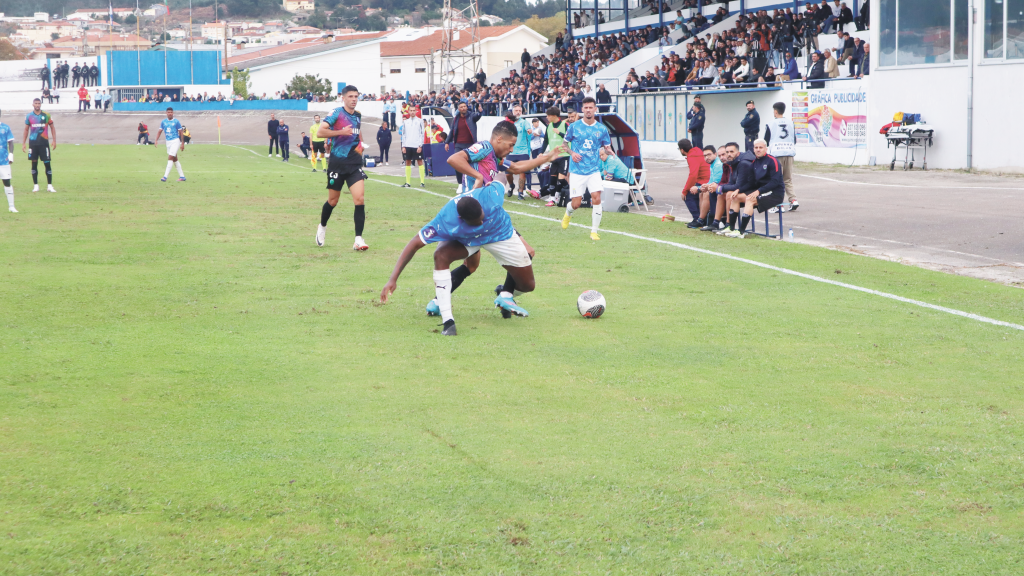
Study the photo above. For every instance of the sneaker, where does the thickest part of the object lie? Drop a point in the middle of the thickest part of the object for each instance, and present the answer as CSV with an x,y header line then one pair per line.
x,y
35,188
507,303
648,199
696,223
182,179
433,309
12,209
565,220
522,196
723,231
359,244
321,234
423,184
164,179
734,234
314,170
270,155
594,236
550,203
794,205
509,193
278,155
448,328
497,292
385,163
710,227
535,194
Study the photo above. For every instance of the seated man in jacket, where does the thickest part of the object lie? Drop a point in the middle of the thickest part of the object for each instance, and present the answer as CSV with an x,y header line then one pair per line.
x,y
741,181
769,190
699,175
817,71
791,70
612,169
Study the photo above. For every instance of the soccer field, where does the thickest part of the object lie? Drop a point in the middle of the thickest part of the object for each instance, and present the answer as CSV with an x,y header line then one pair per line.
x,y
189,385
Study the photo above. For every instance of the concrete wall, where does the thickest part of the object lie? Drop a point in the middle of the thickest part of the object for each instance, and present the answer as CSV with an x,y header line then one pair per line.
x,y
358,65
497,51
407,78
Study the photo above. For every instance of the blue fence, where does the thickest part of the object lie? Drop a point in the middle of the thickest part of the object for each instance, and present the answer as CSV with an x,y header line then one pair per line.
x,y
212,106
159,68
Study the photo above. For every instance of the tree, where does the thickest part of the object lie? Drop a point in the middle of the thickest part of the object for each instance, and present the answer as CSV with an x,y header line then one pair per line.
x,y
240,82
130,19
303,83
547,27
54,36
8,51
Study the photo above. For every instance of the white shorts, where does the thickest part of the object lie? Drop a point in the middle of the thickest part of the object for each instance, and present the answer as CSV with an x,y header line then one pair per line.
x,y
5,172
173,146
579,183
511,252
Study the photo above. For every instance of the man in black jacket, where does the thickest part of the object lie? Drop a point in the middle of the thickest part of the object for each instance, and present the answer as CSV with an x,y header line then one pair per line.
x,y
751,125
604,97
272,126
44,75
817,71
769,190
463,132
741,181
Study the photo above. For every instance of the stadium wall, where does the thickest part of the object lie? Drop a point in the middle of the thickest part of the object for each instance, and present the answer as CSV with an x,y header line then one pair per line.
x,y
357,65
211,106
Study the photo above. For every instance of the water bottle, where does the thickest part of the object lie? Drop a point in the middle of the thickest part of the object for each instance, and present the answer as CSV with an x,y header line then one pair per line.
x,y
791,234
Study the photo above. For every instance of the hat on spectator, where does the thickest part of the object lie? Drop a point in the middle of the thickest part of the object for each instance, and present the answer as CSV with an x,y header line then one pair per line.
x,y
750,102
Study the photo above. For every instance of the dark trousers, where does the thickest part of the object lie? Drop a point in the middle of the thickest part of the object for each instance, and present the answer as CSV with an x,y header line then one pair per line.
x,y
283,143
460,148
748,140
46,83
83,105
305,150
391,121
386,152
697,138
274,142
692,202
143,137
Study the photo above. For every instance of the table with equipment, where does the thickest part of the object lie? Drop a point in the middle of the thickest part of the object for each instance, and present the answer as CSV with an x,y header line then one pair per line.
x,y
910,137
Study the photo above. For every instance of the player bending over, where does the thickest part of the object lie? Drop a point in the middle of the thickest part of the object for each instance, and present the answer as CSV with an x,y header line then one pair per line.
x,y
6,157
172,130
346,163
464,225
38,125
586,138
318,145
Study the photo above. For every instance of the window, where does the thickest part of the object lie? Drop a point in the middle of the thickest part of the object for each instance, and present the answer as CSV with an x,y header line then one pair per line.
x,y
421,70
1004,29
396,69
915,32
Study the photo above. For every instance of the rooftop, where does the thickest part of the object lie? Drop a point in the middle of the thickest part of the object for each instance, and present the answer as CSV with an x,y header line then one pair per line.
x,y
265,56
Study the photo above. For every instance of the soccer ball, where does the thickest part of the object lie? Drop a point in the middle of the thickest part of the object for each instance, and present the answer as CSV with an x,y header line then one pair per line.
x,y
591,304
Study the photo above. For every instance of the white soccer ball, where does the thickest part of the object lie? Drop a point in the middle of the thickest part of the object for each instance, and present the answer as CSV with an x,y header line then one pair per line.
x,y
591,304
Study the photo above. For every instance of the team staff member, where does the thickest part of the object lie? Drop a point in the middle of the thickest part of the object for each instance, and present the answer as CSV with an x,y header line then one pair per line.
x,y
384,142
696,127
282,141
769,190
699,175
304,147
413,137
780,135
319,147
346,163
272,127
554,136
463,132
38,131
83,98
751,125
521,151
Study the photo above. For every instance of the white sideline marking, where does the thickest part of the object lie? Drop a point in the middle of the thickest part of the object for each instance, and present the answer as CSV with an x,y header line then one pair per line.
x,y
904,185
927,305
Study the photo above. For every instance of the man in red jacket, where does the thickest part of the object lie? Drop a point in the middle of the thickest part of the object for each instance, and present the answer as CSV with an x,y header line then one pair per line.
x,y
700,173
83,98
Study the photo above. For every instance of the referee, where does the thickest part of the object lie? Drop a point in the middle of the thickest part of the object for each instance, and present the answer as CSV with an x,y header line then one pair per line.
x,y
318,145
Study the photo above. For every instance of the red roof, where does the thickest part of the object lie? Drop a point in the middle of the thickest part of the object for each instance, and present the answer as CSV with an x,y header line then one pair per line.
x,y
431,42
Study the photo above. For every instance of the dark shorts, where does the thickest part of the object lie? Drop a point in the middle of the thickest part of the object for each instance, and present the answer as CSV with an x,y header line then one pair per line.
x,y
412,154
39,151
768,201
560,166
339,175
318,147
517,157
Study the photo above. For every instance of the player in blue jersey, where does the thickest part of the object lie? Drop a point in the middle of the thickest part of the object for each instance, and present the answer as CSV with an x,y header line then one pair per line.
x,y
172,130
586,137
521,150
39,131
469,222
345,166
6,157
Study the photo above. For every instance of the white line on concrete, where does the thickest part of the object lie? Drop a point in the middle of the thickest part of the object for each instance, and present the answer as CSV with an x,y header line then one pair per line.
x,y
927,305
908,244
905,185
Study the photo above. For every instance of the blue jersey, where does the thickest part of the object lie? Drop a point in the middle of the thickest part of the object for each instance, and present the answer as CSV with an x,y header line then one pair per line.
x,y
346,148
447,225
6,137
586,141
616,168
170,128
483,160
523,138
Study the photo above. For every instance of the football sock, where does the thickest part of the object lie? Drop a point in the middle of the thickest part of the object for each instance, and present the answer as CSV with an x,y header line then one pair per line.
x,y
732,219
509,286
323,162
35,173
596,218
49,173
408,174
325,214
458,275
170,164
423,174
177,165
10,194
360,218
744,220
443,293
569,209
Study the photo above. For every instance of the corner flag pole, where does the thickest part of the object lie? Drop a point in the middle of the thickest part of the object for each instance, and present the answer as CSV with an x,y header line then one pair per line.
x,y
218,128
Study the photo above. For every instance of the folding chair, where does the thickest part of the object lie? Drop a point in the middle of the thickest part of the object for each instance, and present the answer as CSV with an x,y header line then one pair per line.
x,y
636,190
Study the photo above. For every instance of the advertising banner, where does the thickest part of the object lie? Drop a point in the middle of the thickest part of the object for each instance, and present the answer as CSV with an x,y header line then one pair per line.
x,y
831,118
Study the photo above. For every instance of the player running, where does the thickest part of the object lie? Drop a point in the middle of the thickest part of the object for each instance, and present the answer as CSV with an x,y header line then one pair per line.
x,y
38,129
172,130
6,157
318,145
586,137
469,222
346,163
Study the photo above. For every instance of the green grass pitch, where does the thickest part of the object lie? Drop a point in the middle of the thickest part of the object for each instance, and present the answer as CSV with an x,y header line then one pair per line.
x,y
189,385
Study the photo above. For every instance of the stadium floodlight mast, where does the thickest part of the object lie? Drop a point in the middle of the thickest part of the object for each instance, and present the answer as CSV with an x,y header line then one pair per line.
x,y
456,25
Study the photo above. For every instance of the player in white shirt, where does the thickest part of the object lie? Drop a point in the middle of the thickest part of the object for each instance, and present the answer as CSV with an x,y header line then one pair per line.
x,y
6,157
781,137
412,147
171,129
